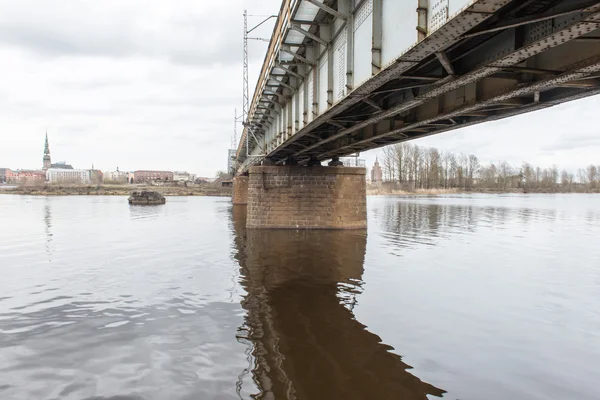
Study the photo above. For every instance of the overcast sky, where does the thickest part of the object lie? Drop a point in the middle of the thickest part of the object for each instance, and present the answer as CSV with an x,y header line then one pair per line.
x,y
152,84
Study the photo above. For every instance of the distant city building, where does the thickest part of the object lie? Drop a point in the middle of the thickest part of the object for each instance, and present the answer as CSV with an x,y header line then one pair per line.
x,y
58,172
182,176
96,176
376,173
144,176
3,174
116,176
9,175
25,176
47,162
54,175
61,165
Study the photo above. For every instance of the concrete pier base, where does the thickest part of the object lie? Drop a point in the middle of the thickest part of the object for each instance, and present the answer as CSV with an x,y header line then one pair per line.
x,y
240,190
295,197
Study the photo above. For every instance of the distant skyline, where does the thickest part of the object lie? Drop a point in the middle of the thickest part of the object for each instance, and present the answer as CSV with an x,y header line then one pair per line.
x,y
153,85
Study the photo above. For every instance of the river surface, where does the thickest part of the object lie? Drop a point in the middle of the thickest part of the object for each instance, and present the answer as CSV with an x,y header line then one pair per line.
x,y
459,297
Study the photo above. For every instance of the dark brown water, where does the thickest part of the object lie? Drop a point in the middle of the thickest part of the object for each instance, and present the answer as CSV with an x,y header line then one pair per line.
x,y
460,297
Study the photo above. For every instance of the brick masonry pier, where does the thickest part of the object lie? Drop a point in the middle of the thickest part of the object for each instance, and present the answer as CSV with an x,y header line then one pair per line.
x,y
297,197
240,190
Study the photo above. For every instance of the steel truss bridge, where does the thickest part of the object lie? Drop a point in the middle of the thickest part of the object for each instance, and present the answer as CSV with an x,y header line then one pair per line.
x,y
345,76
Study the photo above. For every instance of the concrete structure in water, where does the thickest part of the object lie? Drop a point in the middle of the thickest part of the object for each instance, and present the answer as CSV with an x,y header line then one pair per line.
x,y
342,77
240,189
297,197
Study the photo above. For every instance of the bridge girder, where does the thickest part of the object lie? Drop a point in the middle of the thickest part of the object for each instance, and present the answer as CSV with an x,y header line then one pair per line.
x,y
461,74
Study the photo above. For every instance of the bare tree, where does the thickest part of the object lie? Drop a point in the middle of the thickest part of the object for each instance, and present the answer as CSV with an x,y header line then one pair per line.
x,y
413,167
592,175
582,176
473,169
388,164
221,175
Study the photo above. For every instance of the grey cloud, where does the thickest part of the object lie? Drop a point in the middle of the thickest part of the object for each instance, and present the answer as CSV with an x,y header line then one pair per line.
x,y
79,129
571,142
197,39
49,41
209,100
95,84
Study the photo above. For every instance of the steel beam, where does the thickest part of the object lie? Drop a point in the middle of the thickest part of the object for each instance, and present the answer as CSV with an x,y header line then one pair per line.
x,y
350,47
303,22
584,83
445,61
327,9
422,78
372,103
335,123
513,112
377,37
283,84
290,72
587,67
523,21
308,34
299,57
422,11
533,71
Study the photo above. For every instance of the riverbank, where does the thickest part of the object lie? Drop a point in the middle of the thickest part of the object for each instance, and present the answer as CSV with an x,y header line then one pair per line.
x,y
213,190
116,190
382,191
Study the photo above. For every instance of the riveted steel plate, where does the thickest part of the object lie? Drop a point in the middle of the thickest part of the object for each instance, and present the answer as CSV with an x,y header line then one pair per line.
x,y
437,14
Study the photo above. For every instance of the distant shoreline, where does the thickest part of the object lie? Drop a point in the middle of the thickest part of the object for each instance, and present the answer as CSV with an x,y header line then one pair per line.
x,y
374,191
115,190
213,190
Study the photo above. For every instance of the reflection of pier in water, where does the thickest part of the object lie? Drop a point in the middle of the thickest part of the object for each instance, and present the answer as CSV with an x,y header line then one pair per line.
x,y
306,343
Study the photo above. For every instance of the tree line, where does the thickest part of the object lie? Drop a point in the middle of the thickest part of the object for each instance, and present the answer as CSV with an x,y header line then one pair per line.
x,y
408,167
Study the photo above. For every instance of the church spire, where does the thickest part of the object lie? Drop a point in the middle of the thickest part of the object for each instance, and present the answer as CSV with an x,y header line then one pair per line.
x,y
47,162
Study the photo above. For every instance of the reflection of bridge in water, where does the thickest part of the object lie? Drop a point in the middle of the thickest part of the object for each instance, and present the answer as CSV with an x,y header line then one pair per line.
x,y
306,342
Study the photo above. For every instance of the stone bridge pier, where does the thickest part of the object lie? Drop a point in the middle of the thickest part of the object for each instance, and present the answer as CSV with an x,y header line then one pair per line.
x,y
303,197
240,190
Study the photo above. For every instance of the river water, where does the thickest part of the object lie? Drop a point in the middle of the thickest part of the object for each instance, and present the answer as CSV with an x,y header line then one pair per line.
x,y
460,297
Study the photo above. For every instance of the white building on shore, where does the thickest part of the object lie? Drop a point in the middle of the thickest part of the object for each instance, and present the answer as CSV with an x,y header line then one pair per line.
x,y
54,175
183,176
116,176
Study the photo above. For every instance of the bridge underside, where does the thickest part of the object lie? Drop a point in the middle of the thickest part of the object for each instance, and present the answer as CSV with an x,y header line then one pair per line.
x,y
488,62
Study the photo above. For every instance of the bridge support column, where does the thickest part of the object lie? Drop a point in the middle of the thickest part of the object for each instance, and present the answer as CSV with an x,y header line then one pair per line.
x,y
240,190
297,197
